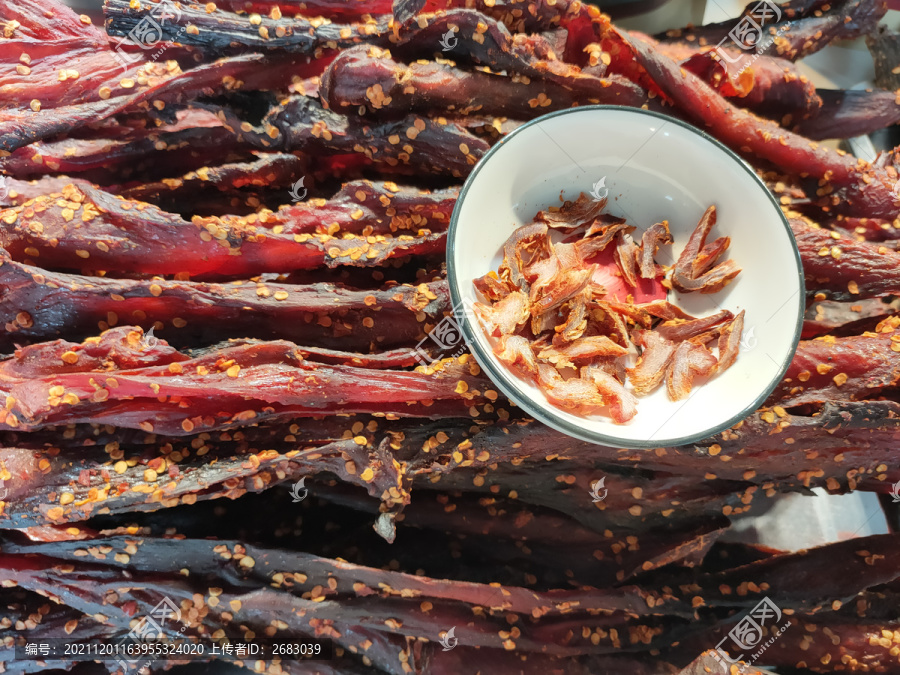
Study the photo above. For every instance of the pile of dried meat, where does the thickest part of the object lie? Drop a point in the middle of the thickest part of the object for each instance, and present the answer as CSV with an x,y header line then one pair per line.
x,y
564,313
222,284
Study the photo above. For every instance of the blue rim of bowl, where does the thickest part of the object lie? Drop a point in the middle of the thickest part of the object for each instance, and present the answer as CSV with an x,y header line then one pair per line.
x,y
546,414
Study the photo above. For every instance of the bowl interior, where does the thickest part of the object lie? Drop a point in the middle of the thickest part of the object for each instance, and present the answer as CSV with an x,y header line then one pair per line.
x,y
656,169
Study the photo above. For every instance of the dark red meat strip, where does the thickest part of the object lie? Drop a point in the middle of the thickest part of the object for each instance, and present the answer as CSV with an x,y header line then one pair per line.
x,y
119,378
120,235
37,305
854,185
368,77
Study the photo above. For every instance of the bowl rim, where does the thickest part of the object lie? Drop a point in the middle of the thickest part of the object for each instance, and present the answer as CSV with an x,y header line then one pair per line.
x,y
504,379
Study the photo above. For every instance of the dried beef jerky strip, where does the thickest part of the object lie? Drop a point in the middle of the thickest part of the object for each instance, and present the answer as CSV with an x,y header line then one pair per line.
x,y
804,27
773,88
253,72
679,329
853,186
580,21
847,318
312,8
220,31
411,439
115,159
849,442
849,113
457,660
568,636
767,85
688,362
111,470
650,368
760,449
346,533
824,644
22,611
573,214
49,623
20,126
89,586
20,191
363,207
405,10
486,42
85,464
729,342
698,267
494,528
351,619
393,358
634,501
412,144
58,66
156,84
61,382
519,16
37,305
865,229
83,588
415,271
208,559
50,487
121,235
159,555
836,571
653,237
884,45
302,431
473,516
844,21
839,369
844,268
269,170
713,32
367,77
99,480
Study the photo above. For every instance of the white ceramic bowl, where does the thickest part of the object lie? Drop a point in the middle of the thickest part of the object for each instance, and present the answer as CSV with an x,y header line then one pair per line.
x,y
656,168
